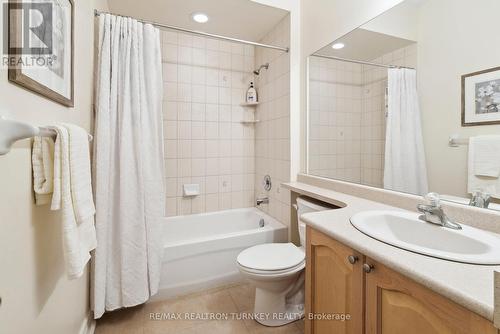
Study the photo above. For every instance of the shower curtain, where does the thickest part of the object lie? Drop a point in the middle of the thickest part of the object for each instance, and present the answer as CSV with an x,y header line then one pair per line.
x,y
128,164
405,168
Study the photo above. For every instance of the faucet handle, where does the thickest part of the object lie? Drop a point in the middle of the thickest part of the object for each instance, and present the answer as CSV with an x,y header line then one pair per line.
x,y
434,199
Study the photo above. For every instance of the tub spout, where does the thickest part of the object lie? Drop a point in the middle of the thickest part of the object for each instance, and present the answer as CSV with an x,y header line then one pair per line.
x,y
262,200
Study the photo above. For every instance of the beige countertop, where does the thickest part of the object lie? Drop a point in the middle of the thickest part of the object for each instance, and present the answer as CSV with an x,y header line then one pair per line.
x,y
471,286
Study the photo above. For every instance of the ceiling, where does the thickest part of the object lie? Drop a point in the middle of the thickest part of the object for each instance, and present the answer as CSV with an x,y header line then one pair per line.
x,y
361,44
243,19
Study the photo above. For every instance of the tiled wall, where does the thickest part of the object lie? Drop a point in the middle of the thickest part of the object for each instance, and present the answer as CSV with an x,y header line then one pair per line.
x,y
272,136
374,113
205,82
347,105
335,116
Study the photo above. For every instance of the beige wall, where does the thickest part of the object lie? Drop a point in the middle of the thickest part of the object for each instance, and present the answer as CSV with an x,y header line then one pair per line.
x,y
447,49
400,21
36,296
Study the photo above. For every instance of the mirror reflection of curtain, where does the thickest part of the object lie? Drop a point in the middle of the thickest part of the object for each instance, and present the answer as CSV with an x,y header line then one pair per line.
x,y
405,168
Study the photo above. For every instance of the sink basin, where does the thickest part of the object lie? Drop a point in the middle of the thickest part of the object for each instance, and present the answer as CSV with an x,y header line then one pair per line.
x,y
405,230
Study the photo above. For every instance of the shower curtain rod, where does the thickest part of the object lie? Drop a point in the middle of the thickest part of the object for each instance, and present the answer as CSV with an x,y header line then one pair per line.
x,y
360,62
201,33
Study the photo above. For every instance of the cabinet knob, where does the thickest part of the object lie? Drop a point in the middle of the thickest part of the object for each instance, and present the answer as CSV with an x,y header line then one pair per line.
x,y
352,259
367,268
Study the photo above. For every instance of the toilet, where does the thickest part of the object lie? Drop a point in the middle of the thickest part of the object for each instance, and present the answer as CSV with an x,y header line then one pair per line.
x,y
277,271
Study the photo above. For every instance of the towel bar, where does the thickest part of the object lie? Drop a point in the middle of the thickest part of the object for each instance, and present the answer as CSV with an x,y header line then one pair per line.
x,y
44,131
12,131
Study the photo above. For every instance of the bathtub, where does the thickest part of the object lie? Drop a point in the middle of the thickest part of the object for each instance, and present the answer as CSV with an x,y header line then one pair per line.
x,y
199,251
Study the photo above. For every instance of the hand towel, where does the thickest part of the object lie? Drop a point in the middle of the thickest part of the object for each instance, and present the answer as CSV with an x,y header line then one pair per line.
x,y
81,177
43,169
73,196
486,155
480,163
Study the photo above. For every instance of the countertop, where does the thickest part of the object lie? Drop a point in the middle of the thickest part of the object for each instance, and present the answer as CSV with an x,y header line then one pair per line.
x,y
471,286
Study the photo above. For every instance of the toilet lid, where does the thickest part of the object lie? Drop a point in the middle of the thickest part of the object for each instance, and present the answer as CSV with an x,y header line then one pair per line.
x,y
270,257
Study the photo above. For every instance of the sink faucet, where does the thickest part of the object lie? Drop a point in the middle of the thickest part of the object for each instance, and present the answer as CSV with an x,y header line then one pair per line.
x,y
262,200
480,199
433,213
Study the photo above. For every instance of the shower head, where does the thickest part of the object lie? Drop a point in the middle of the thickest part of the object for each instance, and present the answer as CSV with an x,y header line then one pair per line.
x,y
257,72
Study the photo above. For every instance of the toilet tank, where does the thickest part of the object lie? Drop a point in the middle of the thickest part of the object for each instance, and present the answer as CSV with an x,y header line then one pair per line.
x,y
305,205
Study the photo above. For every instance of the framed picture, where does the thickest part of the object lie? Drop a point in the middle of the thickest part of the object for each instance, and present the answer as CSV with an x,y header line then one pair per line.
x,y
41,47
481,97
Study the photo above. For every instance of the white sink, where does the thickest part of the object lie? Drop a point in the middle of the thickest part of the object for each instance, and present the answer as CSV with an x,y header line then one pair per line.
x,y
405,230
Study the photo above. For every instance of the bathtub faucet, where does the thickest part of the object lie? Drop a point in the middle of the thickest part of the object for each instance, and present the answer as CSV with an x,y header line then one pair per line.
x,y
262,200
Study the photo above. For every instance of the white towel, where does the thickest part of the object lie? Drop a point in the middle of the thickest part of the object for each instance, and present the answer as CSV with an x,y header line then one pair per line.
x,y
73,195
43,169
81,177
484,165
486,151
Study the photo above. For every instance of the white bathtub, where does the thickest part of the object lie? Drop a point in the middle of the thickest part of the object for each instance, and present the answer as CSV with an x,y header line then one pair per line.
x,y
200,250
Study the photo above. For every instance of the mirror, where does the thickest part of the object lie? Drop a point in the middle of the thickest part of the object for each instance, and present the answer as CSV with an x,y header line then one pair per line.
x,y
410,101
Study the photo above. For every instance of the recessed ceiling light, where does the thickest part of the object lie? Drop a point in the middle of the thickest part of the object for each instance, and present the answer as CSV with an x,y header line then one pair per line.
x,y
338,46
199,17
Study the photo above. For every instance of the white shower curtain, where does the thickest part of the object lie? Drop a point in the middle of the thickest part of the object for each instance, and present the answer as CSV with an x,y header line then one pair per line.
x,y
128,164
405,168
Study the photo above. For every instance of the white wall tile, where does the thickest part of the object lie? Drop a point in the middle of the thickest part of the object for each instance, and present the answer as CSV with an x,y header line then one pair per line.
x,y
170,129
185,39
199,88
271,135
170,53
211,202
171,206
198,112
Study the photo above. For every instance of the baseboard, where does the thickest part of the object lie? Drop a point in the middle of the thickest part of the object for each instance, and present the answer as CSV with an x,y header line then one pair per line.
x,y
88,325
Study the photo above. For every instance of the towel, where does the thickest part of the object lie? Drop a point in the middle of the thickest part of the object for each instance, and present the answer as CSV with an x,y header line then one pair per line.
x,y
73,196
484,165
486,150
81,177
43,169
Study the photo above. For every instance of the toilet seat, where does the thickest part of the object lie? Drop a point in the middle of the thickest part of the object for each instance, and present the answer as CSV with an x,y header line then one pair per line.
x,y
272,259
273,273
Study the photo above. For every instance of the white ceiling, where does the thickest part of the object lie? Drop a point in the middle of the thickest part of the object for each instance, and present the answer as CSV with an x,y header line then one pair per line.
x,y
243,19
361,44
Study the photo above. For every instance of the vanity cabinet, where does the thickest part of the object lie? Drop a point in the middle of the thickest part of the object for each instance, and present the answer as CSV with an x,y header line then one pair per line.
x,y
378,299
395,304
334,286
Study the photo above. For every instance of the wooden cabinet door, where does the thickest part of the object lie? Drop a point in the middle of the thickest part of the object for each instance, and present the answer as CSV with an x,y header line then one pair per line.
x,y
396,305
333,286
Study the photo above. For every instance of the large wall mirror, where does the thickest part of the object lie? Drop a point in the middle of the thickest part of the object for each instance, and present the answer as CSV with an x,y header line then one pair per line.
x,y
410,102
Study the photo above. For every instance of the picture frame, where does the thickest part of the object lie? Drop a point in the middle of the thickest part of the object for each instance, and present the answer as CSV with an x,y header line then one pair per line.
x,y
54,79
481,97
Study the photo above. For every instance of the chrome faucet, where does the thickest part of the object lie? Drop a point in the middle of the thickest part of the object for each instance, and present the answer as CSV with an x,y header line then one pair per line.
x,y
262,200
480,199
433,213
